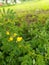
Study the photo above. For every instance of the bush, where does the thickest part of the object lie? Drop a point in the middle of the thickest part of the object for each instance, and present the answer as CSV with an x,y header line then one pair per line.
x,y
23,43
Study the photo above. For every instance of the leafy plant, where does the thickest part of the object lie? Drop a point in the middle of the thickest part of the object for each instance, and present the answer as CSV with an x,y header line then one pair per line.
x,y
24,44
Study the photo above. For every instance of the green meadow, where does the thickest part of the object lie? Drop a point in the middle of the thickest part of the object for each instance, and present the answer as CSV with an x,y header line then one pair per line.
x,y
31,5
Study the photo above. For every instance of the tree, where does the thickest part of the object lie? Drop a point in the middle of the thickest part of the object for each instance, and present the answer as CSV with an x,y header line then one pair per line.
x,y
6,1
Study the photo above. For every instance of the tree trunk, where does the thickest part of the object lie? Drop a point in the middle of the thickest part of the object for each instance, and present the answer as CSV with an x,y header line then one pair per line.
x,y
6,1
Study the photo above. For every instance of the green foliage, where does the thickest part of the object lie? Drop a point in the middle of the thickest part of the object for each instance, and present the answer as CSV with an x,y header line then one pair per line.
x,y
7,16
23,43
40,60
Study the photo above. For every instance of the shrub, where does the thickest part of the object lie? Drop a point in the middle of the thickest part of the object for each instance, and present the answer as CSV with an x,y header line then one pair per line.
x,y
24,44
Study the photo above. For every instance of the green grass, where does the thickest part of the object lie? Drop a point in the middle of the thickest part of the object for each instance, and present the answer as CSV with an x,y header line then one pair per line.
x,y
43,4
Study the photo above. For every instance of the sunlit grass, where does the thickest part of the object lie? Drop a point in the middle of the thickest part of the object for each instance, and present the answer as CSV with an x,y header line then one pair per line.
x,y
43,4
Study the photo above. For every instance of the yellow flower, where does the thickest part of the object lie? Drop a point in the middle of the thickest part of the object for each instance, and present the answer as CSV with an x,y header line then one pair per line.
x,y
14,35
19,39
11,39
7,32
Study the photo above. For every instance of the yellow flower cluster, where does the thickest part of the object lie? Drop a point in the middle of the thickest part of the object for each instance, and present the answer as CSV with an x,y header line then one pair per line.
x,y
14,35
11,39
7,33
18,39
